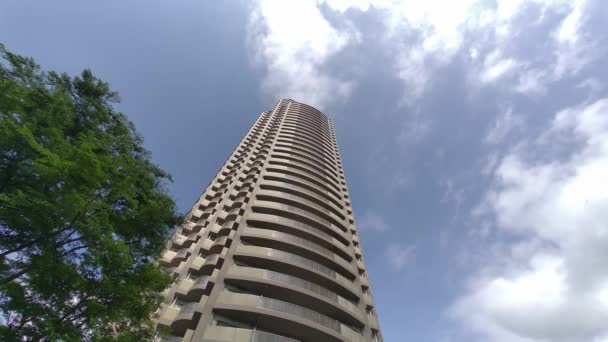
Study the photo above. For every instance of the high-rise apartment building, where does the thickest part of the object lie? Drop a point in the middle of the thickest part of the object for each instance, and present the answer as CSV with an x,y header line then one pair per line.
x,y
270,251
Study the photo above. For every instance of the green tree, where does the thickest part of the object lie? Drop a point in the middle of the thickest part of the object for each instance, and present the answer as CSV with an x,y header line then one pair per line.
x,y
84,213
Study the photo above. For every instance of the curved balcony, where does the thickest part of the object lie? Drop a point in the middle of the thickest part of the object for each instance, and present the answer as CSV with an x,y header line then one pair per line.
x,y
367,299
306,128
298,291
306,153
297,214
167,314
248,184
293,172
297,147
200,286
167,258
305,109
297,164
360,265
295,158
373,322
304,145
283,317
195,264
296,228
291,134
304,184
195,214
316,122
305,140
302,190
320,165
230,334
227,228
310,150
296,265
205,245
187,318
364,282
306,149
297,112
183,241
219,244
171,258
325,215
205,266
306,131
299,246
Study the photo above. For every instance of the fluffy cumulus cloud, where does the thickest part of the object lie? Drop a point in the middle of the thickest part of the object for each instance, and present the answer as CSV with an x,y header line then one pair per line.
x,y
294,42
488,31
553,284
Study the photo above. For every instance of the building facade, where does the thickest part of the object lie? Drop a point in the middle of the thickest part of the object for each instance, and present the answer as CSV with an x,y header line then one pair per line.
x,y
270,251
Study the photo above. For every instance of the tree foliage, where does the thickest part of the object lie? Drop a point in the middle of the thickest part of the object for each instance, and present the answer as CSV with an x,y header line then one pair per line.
x,y
83,211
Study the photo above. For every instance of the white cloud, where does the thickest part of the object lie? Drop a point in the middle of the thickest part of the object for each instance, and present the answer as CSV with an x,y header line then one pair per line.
x,y
552,286
294,41
400,255
504,124
531,82
344,5
372,222
496,69
441,28
569,30
574,51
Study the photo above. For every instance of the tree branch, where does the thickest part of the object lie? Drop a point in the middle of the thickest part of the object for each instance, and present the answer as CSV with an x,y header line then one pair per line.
x,y
47,236
73,250
13,277
33,242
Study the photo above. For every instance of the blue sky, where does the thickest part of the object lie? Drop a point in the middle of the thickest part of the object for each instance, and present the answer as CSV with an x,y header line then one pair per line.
x,y
474,135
